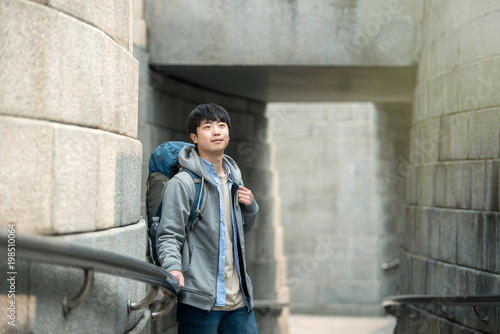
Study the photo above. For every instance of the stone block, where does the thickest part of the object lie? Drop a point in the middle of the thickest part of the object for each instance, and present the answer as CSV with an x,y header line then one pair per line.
x,y
425,184
486,46
114,17
446,54
79,77
469,240
440,182
348,293
488,83
433,232
484,134
478,185
364,245
450,92
448,236
424,142
26,185
454,137
435,98
468,82
365,269
124,180
78,179
75,169
492,200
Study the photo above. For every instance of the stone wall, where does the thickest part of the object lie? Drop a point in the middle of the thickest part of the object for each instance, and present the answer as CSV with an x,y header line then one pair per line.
x,y
450,244
341,208
259,32
70,155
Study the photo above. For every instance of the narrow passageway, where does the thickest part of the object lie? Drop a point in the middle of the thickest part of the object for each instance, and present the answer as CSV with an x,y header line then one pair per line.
x,y
315,324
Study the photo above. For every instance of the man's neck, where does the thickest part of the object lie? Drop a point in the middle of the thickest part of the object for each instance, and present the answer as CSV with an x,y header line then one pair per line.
x,y
216,160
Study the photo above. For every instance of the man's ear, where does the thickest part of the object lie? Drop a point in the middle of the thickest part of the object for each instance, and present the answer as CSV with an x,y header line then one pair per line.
x,y
193,137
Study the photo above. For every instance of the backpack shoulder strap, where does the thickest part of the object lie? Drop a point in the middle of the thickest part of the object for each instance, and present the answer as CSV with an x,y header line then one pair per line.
x,y
200,198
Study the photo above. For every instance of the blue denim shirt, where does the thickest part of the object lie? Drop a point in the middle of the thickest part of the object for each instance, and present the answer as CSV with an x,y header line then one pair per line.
x,y
221,284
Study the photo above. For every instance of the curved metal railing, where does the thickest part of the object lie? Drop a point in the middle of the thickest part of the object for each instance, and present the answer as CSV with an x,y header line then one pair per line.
x,y
396,305
56,251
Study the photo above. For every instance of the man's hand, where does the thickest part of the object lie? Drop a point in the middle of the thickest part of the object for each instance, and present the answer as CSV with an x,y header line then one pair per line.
x,y
245,196
178,275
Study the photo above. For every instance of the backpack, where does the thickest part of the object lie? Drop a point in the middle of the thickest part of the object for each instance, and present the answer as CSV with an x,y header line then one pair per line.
x,y
163,165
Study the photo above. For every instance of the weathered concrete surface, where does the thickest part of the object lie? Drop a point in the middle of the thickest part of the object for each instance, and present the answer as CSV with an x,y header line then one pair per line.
x,y
113,17
342,202
259,32
65,179
450,243
289,51
58,68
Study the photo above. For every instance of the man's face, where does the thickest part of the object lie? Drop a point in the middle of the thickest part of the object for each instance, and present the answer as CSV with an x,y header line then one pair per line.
x,y
211,137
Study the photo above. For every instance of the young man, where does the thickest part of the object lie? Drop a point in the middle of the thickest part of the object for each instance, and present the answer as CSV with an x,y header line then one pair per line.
x,y
208,259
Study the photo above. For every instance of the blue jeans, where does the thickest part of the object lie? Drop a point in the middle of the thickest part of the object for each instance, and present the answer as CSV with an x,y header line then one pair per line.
x,y
193,320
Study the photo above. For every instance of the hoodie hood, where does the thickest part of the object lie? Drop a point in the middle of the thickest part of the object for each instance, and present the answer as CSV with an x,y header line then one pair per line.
x,y
189,158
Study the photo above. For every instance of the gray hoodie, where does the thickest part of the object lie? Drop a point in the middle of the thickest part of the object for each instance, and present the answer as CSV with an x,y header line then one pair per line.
x,y
195,252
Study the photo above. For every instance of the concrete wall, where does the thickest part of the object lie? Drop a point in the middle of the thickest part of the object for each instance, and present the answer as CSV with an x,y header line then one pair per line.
x,y
71,161
301,32
451,232
341,210
164,105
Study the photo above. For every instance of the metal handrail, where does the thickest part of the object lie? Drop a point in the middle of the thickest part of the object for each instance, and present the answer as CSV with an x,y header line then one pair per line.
x,y
391,264
391,304
481,300
53,250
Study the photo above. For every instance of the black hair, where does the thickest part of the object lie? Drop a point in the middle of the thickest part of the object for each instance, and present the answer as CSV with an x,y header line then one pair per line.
x,y
210,112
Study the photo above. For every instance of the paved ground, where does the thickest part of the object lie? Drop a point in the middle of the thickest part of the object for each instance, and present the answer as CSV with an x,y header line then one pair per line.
x,y
307,324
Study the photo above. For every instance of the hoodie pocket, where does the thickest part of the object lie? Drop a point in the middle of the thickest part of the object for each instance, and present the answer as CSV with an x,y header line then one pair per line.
x,y
201,272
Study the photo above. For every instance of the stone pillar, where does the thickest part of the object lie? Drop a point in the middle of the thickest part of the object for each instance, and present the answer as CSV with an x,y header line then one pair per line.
x,y
450,244
70,154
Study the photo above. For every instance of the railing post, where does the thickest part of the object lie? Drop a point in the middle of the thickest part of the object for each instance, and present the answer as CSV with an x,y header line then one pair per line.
x,y
82,295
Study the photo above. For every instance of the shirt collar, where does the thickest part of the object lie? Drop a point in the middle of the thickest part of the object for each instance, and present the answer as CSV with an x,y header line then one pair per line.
x,y
211,168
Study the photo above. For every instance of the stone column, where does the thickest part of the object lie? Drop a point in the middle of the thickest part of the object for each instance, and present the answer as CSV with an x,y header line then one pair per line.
x,y
450,244
71,161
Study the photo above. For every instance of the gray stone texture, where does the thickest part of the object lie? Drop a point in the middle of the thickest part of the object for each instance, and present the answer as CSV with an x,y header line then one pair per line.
x,y
237,32
56,67
67,179
342,191
71,161
451,229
